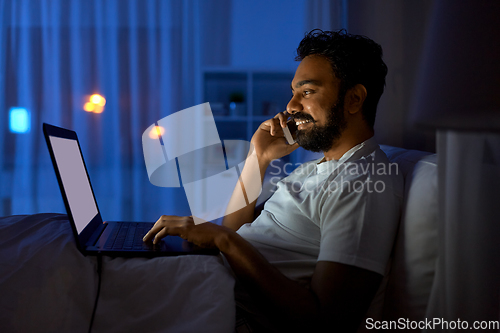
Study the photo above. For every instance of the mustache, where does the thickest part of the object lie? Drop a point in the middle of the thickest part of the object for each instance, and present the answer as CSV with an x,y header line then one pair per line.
x,y
302,116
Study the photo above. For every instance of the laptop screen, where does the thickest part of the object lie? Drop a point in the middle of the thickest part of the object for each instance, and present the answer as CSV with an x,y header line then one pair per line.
x,y
75,181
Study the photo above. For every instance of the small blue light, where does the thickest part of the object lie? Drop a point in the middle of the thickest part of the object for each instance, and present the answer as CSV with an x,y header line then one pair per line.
x,y
19,120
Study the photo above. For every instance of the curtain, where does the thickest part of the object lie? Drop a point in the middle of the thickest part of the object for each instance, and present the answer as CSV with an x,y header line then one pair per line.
x,y
326,14
141,56
467,281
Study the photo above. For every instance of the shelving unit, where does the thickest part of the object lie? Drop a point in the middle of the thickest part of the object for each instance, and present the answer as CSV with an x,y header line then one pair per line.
x,y
260,95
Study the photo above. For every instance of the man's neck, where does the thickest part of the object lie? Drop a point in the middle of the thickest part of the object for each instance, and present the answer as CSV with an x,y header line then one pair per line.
x,y
345,143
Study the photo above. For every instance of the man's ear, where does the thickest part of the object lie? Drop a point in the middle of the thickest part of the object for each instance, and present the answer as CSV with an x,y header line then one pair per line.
x,y
355,98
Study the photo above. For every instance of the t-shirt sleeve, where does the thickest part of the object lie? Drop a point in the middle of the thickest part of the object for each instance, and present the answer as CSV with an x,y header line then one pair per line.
x,y
358,220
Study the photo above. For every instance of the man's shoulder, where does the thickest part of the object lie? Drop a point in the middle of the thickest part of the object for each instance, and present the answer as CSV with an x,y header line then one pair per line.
x,y
304,169
374,162
374,168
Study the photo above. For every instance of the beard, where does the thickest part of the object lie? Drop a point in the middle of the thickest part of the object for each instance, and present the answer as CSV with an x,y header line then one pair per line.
x,y
322,138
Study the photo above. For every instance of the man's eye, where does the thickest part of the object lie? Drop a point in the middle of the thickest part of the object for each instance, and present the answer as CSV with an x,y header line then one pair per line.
x,y
307,92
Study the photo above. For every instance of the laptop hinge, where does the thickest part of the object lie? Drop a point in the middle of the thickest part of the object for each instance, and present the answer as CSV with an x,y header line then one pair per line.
x,y
96,235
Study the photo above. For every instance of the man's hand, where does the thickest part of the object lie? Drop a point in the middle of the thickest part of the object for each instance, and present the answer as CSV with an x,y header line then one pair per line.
x,y
269,143
204,235
269,140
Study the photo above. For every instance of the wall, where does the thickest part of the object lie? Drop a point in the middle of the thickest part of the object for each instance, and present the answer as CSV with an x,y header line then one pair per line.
x,y
266,33
400,27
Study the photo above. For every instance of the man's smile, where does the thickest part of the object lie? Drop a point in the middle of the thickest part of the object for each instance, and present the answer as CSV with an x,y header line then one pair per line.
x,y
302,119
302,123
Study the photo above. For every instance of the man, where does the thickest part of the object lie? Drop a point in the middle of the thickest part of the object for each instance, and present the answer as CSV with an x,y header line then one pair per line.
x,y
315,257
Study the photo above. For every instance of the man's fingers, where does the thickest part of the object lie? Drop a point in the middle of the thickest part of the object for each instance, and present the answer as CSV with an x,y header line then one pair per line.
x,y
160,235
169,230
157,234
167,225
275,124
159,224
282,116
273,127
268,125
151,233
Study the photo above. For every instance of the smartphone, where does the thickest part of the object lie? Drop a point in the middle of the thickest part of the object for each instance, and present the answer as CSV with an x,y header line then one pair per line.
x,y
290,131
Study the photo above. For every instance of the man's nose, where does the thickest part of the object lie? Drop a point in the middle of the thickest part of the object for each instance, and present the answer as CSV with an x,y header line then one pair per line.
x,y
294,105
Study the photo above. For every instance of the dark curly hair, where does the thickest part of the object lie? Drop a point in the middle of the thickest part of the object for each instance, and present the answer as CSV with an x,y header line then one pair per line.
x,y
355,60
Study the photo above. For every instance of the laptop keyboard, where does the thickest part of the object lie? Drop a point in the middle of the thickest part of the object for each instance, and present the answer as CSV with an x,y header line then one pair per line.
x,y
129,237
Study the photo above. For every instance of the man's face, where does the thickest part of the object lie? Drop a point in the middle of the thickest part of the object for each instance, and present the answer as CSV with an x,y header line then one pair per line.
x,y
316,106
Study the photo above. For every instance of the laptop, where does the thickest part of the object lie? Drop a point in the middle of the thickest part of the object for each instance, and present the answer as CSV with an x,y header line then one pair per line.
x,y
93,235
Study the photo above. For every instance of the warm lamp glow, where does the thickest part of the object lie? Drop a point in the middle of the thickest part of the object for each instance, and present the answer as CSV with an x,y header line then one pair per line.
x,y
156,132
89,107
98,109
98,100
95,104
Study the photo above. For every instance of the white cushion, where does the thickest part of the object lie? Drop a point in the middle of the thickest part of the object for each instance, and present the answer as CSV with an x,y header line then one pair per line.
x,y
415,251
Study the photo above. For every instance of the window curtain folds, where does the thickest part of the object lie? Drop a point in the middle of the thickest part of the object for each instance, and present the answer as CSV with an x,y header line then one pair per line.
x,y
53,56
326,14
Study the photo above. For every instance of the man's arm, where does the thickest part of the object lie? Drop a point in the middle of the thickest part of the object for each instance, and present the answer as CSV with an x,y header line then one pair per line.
x,y
268,143
338,298
248,176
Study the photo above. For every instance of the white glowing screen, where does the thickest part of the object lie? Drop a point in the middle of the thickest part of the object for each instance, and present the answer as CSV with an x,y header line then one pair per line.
x,y
75,181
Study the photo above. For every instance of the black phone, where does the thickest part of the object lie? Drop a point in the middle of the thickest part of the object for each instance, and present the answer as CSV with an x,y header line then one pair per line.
x,y
290,131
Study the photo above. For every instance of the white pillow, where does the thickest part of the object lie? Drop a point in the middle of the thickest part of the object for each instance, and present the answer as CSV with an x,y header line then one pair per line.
x,y
415,252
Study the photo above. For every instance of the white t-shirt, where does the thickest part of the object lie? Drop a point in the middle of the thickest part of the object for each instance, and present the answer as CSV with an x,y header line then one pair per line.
x,y
344,211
